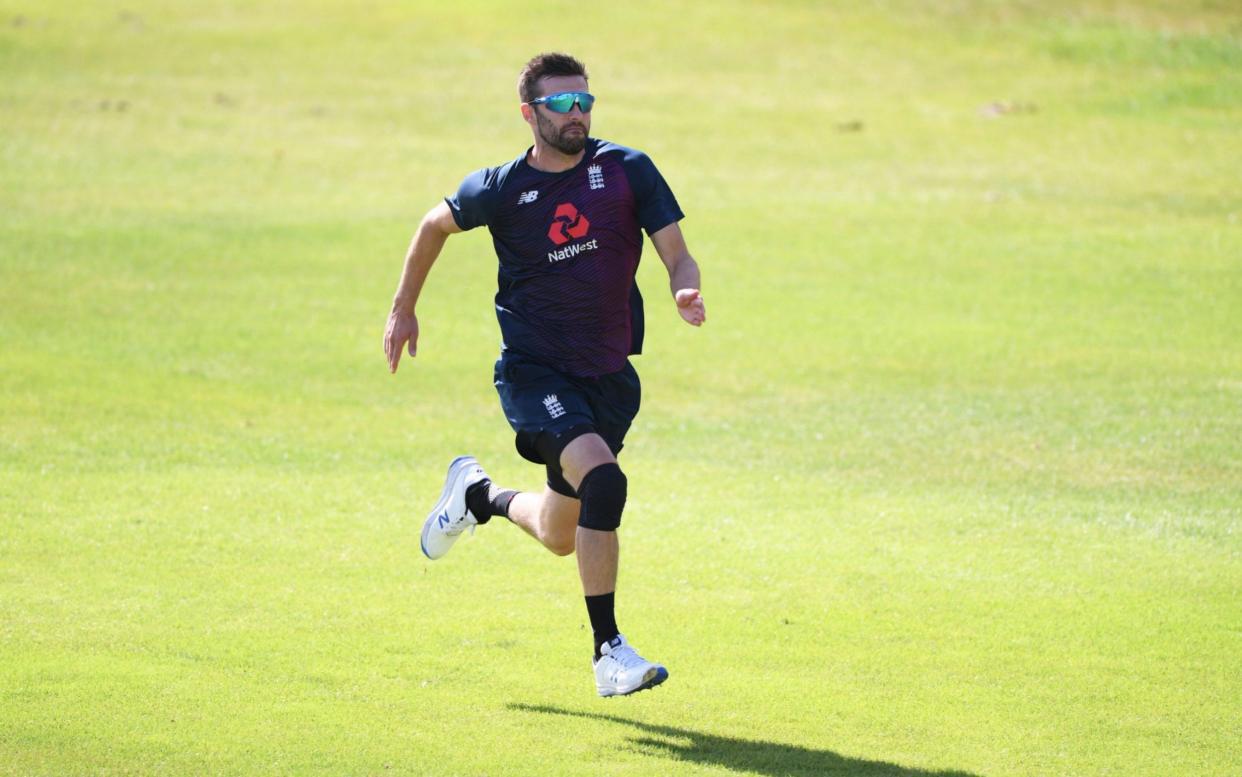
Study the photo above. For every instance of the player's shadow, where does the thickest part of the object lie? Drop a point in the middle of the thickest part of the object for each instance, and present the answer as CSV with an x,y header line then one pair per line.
x,y
752,756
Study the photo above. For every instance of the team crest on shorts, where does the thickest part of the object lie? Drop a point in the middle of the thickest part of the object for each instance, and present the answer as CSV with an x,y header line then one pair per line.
x,y
554,406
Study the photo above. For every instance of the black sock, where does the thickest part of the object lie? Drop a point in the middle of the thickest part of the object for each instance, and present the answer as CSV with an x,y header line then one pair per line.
x,y
603,618
485,499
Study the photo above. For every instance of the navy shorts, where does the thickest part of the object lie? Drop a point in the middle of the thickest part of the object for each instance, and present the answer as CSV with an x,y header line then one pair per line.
x,y
540,402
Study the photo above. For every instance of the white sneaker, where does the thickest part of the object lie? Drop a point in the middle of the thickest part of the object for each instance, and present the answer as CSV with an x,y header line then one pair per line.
x,y
451,517
620,670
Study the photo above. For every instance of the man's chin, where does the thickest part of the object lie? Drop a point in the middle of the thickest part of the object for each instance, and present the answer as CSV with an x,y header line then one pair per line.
x,y
572,144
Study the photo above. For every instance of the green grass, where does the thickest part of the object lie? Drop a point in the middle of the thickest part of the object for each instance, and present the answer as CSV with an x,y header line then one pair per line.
x,y
951,482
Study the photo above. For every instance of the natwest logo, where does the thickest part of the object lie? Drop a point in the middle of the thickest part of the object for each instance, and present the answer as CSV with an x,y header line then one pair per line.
x,y
567,224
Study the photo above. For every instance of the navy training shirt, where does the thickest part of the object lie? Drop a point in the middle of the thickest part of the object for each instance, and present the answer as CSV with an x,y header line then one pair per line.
x,y
569,245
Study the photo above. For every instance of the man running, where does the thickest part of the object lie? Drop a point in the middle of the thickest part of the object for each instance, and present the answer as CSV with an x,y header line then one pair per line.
x,y
566,219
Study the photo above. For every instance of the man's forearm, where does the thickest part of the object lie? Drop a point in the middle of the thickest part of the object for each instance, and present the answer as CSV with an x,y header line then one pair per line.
x,y
424,249
685,274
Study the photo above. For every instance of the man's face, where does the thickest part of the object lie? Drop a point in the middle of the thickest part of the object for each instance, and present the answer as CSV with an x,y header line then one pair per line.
x,y
566,132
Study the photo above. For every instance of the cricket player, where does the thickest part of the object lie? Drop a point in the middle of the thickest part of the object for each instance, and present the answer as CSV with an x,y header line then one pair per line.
x,y
566,219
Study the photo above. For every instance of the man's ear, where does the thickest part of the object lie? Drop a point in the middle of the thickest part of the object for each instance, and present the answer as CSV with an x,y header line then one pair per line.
x,y
528,113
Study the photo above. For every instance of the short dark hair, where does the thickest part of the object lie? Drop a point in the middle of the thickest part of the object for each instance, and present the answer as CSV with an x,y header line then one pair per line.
x,y
545,65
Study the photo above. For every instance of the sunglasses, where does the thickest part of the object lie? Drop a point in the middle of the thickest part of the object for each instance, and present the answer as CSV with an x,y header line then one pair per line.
x,y
563,102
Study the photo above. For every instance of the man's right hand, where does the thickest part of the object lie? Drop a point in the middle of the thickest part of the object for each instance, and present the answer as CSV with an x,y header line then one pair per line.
x,y
402,329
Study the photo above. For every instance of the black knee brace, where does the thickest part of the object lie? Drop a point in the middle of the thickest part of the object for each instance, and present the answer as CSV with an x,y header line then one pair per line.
x,y
602,492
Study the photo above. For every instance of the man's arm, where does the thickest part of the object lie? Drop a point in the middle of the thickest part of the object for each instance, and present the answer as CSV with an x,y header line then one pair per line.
x,y
436,227
683,273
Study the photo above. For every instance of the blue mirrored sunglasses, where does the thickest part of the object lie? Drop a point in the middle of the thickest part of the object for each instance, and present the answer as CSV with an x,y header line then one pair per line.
x,y
563,102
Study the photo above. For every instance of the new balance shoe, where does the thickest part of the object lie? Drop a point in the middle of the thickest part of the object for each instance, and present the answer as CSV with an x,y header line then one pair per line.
x,y
619,670
451,517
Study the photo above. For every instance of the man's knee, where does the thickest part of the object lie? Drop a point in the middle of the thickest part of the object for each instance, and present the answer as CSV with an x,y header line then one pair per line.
x,y
603,492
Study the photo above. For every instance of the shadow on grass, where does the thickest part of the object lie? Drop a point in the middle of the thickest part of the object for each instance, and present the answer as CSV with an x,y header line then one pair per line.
x,y
743,755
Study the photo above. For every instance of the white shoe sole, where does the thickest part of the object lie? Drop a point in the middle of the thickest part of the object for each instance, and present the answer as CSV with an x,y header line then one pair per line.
x,y
456,469
653,677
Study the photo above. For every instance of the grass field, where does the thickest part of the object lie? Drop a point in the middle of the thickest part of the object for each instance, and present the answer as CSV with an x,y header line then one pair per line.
x,y
949,484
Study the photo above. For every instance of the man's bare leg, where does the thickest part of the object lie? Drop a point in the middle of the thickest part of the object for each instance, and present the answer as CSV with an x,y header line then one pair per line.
x,y
598,556
552,518
598,551
590,467
549,517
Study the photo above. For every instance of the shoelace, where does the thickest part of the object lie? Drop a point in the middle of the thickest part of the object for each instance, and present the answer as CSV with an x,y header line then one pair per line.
x,y
627,657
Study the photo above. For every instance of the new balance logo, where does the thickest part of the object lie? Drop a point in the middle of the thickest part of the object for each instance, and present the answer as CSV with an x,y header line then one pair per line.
x,y
554,406
595,176
525,198
443,520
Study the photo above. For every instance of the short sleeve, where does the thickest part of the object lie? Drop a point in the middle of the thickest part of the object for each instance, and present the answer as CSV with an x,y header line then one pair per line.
x,y
654,201
472,204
